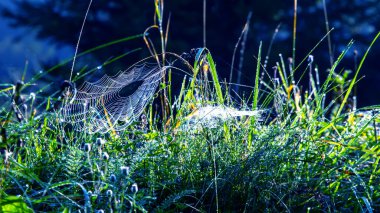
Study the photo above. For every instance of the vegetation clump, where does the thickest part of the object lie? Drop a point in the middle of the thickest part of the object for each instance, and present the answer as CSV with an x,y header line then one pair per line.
x,y
288,146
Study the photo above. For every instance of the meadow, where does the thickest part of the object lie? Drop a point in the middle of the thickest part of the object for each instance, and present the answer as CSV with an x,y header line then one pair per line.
x,y
293,144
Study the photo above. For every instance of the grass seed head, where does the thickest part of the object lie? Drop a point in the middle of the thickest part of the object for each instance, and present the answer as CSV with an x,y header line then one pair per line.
x,y
105,156
113,178
109,193
134,188
125,170
100,141
87,147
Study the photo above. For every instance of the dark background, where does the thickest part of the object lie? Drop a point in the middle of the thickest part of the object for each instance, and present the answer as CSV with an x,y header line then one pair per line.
x,y
44,32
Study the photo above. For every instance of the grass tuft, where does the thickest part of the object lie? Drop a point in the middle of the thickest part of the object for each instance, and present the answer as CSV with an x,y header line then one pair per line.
x,y
281,149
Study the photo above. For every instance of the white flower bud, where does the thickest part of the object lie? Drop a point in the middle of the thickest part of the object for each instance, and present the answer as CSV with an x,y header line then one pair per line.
x,y
100,141
105,156
134,188
87,147
113,178
125,170
109,193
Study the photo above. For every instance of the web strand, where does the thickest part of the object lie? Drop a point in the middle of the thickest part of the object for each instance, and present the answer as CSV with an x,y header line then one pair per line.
x,y
80,35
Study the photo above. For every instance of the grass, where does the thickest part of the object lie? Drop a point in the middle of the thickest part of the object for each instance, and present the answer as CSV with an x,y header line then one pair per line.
x,y
302,153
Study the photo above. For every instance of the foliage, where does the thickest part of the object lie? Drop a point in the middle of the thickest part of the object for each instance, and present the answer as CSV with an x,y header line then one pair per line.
x,y
301,153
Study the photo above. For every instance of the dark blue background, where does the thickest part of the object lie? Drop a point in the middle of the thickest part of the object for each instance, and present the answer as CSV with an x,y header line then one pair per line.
x,y
45,31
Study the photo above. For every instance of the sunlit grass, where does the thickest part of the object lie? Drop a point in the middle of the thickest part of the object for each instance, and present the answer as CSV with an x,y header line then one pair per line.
x,y
307,156
301,147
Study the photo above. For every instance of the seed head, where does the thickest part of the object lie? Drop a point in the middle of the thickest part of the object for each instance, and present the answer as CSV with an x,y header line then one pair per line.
x,y
113,178
100,141
124,170
134,188
87,147
109,193
310,58
105,156
32,96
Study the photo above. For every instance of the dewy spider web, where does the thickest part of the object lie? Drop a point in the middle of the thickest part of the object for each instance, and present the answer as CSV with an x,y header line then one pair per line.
x,y
112,103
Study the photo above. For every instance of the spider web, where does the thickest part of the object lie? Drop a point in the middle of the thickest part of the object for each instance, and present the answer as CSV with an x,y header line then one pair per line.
x,y
112,103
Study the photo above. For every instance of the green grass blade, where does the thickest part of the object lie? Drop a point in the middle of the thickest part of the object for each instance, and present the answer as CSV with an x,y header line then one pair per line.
x,y
356,75
215,79
256,92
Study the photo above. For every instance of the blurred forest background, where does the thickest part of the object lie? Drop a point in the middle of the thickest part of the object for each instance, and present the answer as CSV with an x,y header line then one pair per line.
x,y
45,32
